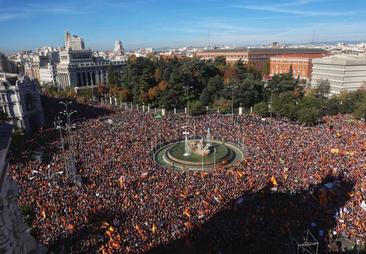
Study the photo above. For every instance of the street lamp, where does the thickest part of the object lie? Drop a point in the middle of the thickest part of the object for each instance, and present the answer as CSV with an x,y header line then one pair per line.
x,y
233,87
69,126
187,88
49,176
271,98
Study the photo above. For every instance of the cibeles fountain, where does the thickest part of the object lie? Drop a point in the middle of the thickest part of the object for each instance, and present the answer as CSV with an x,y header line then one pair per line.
x,y
204,153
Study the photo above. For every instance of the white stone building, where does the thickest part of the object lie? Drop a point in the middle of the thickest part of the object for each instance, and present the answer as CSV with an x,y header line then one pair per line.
x,y
14,232
20,101
344,73
47,74
79,68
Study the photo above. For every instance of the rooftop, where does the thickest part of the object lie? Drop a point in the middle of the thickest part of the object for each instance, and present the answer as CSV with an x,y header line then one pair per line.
x,y
341,60
271,50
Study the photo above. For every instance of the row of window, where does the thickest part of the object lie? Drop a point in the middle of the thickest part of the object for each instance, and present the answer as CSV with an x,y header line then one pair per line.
x,y
80,56
286,71
3,97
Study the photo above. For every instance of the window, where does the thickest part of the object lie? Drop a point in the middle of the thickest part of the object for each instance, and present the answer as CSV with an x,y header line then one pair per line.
x,y
3,98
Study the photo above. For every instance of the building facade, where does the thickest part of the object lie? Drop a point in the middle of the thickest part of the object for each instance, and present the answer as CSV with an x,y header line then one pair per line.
x,y
344,73
47,74
20,102
78,67
14,232
259,57
301,67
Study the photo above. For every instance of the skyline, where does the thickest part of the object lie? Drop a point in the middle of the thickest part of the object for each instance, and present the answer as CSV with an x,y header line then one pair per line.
x,y
163,23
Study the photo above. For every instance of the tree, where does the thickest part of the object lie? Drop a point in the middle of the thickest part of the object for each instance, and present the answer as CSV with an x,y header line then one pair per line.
x,y
205,97
266,68
261,108
222,104
282,83
284,104
332,106
215,84
360,110
240,70
112,81
196,108
308,116
309,110
323,88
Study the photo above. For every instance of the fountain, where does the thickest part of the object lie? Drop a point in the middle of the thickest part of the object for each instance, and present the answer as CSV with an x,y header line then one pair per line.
x,y
208,136
202,153
187,147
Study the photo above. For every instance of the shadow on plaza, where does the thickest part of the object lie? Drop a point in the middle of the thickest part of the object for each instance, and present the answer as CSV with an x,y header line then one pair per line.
x,y
261,222
47,140
52,109
269,222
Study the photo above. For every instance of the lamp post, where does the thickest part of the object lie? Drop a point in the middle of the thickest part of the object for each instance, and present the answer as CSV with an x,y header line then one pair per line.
x,y
49,176
58,126
187,88
71,169
233,87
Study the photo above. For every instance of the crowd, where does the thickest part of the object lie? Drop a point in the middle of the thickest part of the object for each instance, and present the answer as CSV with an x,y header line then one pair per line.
x,y
291,180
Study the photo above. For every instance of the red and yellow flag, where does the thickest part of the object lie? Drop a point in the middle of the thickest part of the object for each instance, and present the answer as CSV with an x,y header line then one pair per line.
x,y
273,181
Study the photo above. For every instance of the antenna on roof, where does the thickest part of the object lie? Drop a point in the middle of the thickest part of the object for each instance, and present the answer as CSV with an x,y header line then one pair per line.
x,y
209,40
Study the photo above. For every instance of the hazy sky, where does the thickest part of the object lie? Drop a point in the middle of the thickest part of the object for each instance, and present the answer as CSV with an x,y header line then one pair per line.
x,y
27,24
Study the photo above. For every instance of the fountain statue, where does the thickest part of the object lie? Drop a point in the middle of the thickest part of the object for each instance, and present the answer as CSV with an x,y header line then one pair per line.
x,y
208,136
187,147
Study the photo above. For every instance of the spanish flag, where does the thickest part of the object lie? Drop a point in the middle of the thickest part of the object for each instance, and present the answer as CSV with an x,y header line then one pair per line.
x,y
186,213
273,181
121,182
43,214
240,174
139,231
111,229
115,245
154,228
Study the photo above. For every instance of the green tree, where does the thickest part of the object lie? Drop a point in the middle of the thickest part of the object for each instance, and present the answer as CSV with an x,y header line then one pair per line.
x,y
266,68
360,110
282,83
323,88
196,108
205,97
222,104
261,108
308,116
285,104
332,106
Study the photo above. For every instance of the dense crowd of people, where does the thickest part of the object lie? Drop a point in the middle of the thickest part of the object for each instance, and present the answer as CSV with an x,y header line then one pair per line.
x,y
293,179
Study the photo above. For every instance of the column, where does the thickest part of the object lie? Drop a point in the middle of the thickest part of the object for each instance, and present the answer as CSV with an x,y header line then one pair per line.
x,y
100,78
88,78
91,78
84,78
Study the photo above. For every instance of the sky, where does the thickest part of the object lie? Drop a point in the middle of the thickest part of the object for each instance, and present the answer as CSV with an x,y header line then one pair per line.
x,y
29,24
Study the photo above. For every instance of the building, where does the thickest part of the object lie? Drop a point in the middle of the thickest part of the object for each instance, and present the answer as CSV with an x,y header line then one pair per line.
x,y
79,68
301,67
344,73
47,74
259,57
74,42
20,101
6,65
14,232
41,66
